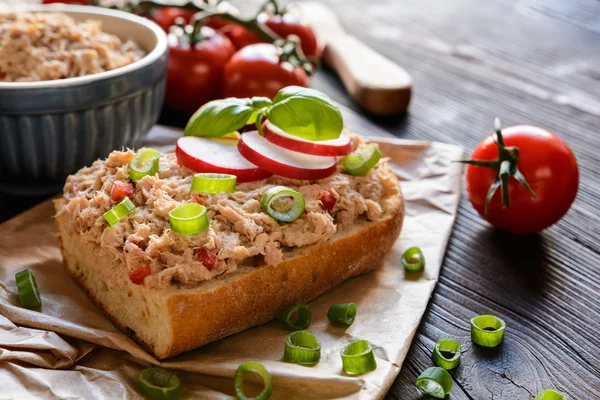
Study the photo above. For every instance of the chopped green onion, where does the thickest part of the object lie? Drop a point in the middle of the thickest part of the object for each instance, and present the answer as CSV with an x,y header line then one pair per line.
x,y
342,313
413,260
146,162
238,381
487,330
362,160
435,382
446,354
28,289
550,394
302,347
358,357
189,219
119,211
159,384
214,183
282,203
295,316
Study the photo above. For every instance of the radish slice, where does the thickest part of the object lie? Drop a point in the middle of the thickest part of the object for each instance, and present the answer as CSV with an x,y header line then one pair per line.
x,y
283,162
220,156
335,147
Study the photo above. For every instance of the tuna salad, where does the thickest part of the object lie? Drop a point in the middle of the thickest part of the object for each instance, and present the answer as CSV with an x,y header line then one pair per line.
x,y
239,233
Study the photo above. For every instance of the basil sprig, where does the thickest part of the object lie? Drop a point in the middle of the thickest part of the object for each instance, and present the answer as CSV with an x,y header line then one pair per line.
x,y
299,111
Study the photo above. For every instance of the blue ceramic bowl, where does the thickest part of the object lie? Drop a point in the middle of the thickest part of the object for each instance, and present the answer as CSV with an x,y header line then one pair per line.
x,y
50,129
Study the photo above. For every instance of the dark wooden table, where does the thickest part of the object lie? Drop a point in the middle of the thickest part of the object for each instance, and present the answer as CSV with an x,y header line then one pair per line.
x,y
526,61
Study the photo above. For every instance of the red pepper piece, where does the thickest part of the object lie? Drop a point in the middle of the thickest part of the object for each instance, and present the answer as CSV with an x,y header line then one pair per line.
x,y
199,200
138,275
208,259
121,190
328,200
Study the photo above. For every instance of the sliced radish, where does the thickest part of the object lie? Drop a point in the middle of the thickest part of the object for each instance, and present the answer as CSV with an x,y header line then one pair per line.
x,y
201,154
335,147
283,162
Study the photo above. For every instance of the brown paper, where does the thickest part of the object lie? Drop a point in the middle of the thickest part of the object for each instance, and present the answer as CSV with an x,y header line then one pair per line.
x,y
70,350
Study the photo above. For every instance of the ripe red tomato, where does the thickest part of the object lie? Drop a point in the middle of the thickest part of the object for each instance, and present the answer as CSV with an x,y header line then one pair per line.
x,y
165,16
240,36
81,2
290,24
257,71
195,72
549,167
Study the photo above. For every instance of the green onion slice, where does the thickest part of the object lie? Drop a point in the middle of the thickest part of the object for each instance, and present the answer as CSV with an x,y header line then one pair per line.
x,y
550,394
362,160
342,313
119,211
214,183
435,382
189,219
446,354
413,260
358,357
238,381
302,347
28,289
487,330
295,316
282,203
146,162
159,384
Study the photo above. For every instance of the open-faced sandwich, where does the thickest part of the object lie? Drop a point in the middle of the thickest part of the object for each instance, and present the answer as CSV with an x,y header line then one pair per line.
x,y
182,249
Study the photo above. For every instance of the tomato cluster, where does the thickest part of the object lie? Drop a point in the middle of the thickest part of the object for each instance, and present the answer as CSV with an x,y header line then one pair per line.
x,y
230,60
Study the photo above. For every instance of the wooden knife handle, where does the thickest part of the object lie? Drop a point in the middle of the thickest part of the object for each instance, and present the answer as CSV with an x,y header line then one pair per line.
x,y
374,81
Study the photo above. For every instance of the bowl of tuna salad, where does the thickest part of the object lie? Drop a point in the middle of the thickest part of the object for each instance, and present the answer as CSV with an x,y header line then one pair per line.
x,y
76,83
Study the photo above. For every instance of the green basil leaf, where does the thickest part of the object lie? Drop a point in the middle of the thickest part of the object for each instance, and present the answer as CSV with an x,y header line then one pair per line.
x,y
306,113
219,117
258,103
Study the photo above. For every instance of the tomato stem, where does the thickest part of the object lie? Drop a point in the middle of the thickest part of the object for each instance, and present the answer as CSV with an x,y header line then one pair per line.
x,y
506,167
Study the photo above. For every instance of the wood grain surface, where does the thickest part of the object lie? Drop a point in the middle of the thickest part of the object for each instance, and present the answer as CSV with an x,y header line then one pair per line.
x,y
525,61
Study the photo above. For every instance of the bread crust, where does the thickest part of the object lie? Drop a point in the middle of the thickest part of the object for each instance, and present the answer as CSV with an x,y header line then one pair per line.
x,y
189,317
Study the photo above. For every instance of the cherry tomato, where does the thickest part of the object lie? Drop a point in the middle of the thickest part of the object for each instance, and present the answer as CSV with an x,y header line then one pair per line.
x,y
220,23
195,72
165,16
290,24
240,36
121,190
208,259
550,169
328,200
257,71
138,275
81,2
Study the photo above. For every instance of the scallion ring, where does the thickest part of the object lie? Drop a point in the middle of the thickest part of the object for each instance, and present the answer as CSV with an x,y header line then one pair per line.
x,y
550,394
446,354
159,384
238,381
362,160
146,162
413,260
295,316
29,293
282,203
189,219
302,347
358,358
435,382
487,330
214,183
342,313
119,211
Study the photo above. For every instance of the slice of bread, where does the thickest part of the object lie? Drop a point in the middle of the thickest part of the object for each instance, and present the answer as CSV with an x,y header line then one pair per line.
x,y
169,321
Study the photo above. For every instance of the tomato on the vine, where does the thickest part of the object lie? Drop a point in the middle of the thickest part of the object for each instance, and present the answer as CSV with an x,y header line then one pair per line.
x,y
542,161
257,70
288,24
240,36
195,71
165,16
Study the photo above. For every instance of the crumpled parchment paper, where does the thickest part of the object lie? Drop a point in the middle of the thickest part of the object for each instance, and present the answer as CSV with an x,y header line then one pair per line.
x,y
70,350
